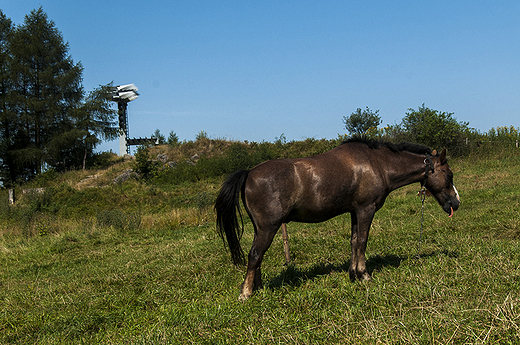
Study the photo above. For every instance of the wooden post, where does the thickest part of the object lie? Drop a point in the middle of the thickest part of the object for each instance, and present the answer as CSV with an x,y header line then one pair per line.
x,y
11,196
285,238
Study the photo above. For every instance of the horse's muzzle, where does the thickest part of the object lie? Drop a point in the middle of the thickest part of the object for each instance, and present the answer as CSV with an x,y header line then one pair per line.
x,y
452,205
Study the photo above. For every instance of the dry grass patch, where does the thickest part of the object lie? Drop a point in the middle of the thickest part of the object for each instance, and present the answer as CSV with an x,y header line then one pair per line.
x,y
176,218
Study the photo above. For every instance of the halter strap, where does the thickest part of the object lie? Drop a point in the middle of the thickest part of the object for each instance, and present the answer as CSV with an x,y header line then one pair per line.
x,y
428,167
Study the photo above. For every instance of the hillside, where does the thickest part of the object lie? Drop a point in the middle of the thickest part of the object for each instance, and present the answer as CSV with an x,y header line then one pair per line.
x,y
165,185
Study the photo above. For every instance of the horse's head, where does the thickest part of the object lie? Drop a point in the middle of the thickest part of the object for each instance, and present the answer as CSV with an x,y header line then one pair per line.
x,y
439,181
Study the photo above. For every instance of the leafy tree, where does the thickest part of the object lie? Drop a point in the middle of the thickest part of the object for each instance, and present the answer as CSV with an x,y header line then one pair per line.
x,y
361,121
434,128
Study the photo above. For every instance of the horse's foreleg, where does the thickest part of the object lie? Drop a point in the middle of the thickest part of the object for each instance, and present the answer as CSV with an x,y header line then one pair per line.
x,y
253,279
361,222
353,248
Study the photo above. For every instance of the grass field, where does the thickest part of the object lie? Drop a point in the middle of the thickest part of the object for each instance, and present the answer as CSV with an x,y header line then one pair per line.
x,y
93,283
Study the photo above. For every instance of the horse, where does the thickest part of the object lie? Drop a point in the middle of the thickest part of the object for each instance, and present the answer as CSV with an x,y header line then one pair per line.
x,y
355,177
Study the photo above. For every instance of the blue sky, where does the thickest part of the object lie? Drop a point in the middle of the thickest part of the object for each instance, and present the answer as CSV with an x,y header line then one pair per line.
x,y
252,70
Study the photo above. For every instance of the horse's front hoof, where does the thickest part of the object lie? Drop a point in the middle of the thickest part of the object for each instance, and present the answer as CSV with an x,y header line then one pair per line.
x,y
244,294
365,277
243,297
359,276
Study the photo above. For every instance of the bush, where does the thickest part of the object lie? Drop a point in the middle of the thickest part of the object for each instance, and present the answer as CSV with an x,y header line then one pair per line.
x,y
237,156
102,160
432,128
143,165
503,134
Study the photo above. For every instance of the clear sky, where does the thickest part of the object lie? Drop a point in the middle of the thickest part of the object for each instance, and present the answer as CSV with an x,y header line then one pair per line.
x,y
252,70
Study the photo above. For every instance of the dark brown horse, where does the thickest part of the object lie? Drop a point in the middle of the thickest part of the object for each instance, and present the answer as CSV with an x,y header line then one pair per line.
x,y
354,177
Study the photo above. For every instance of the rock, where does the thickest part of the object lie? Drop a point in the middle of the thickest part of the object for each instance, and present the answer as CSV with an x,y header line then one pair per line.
x,y
171,164
33,191
88,181
162,157
128,174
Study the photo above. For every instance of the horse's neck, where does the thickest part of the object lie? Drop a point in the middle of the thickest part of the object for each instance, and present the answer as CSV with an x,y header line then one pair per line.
x,y
404,169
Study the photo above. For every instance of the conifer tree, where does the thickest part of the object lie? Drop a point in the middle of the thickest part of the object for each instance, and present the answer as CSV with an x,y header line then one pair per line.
x,y
97,119
7,116
94,121
47,85
45,119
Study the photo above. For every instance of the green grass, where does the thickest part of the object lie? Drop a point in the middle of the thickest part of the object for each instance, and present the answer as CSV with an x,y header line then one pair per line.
x,y
100,284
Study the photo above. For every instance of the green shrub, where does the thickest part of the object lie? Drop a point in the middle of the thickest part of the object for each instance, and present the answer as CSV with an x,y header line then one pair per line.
x,y
45,177
503,134
143,165
102,160
432,128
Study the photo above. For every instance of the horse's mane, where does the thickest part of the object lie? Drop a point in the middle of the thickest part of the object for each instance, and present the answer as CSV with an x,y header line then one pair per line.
x,y
400,147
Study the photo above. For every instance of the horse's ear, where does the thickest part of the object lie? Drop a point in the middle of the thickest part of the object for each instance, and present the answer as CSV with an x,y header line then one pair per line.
x,y
443,156
434,153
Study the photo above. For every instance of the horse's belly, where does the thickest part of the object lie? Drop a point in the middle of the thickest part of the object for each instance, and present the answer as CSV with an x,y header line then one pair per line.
x,y
312,216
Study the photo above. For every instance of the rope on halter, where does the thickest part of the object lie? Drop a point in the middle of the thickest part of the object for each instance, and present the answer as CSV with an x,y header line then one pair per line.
x,y
429,167
422,194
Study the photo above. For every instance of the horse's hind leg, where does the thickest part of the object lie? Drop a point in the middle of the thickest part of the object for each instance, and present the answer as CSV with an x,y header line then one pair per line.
x,y
261,242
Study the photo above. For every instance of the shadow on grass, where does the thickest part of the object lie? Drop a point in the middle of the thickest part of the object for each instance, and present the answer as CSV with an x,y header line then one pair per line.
x,y
293,276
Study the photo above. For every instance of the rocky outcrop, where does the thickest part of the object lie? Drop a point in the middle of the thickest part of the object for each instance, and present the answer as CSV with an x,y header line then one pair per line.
x,y
128,174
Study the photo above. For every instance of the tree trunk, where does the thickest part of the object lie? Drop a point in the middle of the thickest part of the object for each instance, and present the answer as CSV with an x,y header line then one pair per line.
x,y
84,158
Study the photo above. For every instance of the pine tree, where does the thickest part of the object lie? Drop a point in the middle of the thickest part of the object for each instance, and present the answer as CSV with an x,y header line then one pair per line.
x,y
95,120
45,120
7,117
99,119
47,87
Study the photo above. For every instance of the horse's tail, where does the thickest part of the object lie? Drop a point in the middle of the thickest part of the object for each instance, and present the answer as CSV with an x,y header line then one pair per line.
x,y
227,205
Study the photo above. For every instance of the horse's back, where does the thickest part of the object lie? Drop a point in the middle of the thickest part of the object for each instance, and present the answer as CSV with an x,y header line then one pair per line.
x,y
310,189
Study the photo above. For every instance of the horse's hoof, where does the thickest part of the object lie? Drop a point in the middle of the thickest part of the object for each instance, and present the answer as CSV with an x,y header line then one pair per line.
x,y
352,275
359,277
365,277
243,298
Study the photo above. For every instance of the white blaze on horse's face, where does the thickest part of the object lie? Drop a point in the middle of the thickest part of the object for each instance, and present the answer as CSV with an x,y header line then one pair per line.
x,y
456,193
